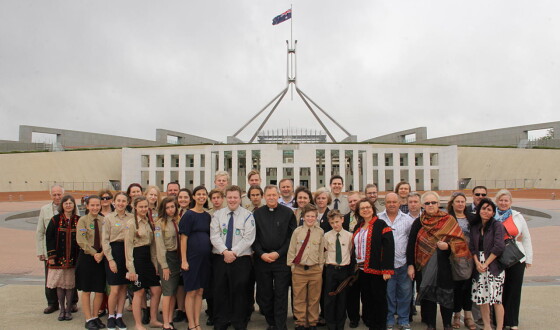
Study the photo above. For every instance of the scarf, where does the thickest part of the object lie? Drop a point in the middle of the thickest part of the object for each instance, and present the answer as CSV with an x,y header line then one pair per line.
x,y
439,227
501,216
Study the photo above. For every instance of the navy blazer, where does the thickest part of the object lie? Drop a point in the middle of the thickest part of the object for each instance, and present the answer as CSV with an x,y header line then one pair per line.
x,y
493,243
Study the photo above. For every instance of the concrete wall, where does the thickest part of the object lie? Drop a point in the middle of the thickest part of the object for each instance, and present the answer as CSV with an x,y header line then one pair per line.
x,y
79,139
510,168
510,136
399,137
75,170
183,138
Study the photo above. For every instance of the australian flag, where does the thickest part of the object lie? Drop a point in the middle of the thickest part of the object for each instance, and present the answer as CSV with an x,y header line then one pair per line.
x,y
282,17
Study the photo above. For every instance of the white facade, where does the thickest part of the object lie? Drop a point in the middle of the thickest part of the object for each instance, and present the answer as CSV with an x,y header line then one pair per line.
x,y
424,167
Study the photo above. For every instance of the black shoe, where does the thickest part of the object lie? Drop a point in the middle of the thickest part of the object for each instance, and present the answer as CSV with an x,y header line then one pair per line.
x,y
102,313
145,315
180,316
354,324
91,325
111,323
100,324
120,323
210,322
68,316
74,308
61,316
50,309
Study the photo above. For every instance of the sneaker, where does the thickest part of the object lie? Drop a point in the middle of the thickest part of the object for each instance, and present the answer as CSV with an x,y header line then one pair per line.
x,y
405,327
100,324
120,323
91,325
111,323
389,327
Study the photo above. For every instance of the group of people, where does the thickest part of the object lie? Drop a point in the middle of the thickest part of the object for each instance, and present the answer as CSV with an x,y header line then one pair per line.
x,y
333,249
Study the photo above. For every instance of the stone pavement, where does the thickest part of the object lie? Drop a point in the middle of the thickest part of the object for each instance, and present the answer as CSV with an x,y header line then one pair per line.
x,y
21,274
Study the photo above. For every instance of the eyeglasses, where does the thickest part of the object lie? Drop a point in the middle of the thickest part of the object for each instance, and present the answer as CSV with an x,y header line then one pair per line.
x,y
480,194
106,198
430,203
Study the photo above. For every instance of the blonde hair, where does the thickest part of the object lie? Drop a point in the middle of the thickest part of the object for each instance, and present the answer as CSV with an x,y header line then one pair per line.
x,y
148,189
428,193
501,193
321,191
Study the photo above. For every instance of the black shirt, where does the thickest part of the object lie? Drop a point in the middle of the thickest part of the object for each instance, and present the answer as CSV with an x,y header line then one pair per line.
x,y
274,230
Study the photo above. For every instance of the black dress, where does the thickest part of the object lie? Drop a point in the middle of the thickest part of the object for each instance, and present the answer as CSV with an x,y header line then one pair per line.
x,y
196,226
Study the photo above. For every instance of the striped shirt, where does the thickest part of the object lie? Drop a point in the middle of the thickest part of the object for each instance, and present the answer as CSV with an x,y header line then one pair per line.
x,y
401,229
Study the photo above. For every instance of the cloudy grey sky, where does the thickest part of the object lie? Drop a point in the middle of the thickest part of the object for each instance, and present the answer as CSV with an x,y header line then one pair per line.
x,y
205,67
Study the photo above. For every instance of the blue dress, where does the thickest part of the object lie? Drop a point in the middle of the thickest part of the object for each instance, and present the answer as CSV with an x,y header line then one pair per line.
x,y
196,226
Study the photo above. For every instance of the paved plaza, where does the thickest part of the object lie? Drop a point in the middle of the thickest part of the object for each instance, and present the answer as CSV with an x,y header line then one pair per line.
x,y
21,274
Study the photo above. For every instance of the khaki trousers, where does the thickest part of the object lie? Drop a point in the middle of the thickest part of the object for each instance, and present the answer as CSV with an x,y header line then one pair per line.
x,y
306,286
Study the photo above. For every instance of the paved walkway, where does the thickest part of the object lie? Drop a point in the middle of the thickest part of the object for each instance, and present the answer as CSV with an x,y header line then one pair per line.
x,y
21,274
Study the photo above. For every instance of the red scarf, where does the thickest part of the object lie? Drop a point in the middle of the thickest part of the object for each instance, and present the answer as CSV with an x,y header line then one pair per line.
x,y
439,227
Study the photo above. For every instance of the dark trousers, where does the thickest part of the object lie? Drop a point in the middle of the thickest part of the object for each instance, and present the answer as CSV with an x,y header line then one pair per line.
x,y
462,296
512,293
353,302
230,291
335,306
273,280
429,313
251,290
50,294
373,289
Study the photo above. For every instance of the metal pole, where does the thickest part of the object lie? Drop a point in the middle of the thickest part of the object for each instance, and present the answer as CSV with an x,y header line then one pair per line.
x,y
269,114
314,114
258,113
326,114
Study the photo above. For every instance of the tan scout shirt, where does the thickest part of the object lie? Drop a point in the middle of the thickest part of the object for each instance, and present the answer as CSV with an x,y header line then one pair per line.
x,y
314,250
85,232
113,231
345,239
131,240
166,240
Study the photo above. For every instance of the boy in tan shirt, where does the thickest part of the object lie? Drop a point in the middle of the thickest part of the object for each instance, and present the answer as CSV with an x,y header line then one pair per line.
x,y
306,257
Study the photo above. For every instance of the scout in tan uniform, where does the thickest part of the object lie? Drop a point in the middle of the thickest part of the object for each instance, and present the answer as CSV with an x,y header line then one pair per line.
x,y
166,234
90,272
112,241
141,262
306,257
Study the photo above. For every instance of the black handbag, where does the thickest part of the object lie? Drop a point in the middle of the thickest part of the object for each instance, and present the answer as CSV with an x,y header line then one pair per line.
x,y
512,254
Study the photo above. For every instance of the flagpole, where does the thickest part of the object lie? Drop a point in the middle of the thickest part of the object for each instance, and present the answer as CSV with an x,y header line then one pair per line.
x,y
291,26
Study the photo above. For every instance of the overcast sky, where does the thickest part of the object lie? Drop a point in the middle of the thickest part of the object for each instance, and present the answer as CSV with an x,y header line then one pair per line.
x,y
206,67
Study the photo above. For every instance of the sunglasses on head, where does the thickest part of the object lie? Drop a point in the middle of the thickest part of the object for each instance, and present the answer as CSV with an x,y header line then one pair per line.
x,y
430,203
106,198
480,194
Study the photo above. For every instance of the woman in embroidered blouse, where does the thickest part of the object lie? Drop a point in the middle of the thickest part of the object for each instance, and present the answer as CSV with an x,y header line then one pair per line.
x,y
112,240
462,292
141,262
487,245
434,237
62,252
375,254
516,226
167,235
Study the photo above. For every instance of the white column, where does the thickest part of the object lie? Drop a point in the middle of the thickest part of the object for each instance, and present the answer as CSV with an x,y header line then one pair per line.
x,y
356,170
196,169
396,168
152,173
411,171
381,170
209,169
427,172
182,178
234,167
166,170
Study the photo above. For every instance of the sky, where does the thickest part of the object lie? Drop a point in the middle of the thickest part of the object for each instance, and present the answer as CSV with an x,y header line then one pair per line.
x,y
206,67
